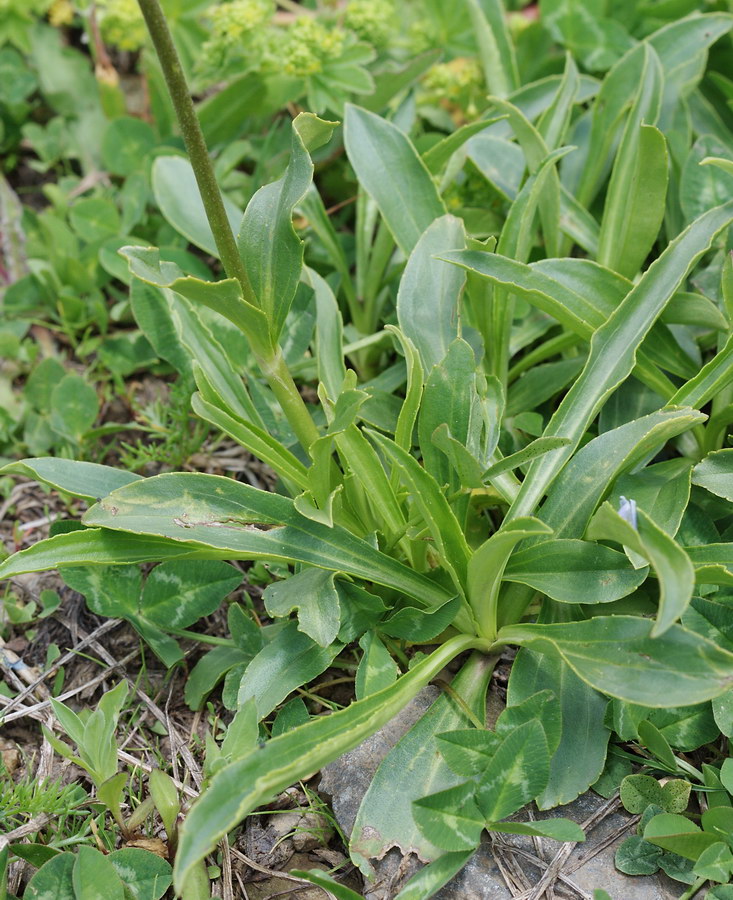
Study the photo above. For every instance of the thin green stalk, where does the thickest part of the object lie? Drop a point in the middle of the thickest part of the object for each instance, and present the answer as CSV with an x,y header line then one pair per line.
x,y
195,143
202,638
693,889
273,366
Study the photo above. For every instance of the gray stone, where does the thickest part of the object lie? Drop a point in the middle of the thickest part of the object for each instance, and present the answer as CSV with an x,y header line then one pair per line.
x,y
346,781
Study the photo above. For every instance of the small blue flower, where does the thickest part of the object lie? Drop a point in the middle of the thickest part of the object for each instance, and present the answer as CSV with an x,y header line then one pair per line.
x,y
627,510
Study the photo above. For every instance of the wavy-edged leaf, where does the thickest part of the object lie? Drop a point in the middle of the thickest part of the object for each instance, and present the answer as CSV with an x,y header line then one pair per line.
x,y
313,594
715,473
271,251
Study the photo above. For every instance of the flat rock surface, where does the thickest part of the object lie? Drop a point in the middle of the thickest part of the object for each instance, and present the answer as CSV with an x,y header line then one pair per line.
x,y
507,859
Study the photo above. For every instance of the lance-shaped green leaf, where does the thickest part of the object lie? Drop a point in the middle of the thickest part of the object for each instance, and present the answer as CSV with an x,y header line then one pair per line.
x,y
363,462
573,721
413,393
271,251
391,172
328,883
496,49
82,479
215,373
427,299
576,307
101,547
450,398
177,197
439,518
715,473
572,571
711,379
259,443
554,121
713,563
534,449
618,656
377,669
634,204
536,153
517,773
588,476
251,524
556,829
682,48
431,878
437,156
246,783
329,335
614,347
486,568
419,625
662,490
671,564
613,100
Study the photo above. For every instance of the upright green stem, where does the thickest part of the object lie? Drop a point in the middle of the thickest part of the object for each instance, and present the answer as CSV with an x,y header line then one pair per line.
x,y
273,366
195,143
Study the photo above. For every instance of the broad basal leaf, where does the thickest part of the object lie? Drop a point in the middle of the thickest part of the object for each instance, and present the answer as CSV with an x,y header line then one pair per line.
x,y
250,524
619,656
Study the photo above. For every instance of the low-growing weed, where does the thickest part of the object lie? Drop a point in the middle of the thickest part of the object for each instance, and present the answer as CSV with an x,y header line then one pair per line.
x,y
494,385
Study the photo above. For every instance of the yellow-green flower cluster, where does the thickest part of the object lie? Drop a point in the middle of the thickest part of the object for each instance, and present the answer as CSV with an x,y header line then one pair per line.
x,y
309,45
457,85
121,23
61,13
372,20
460,74
232,22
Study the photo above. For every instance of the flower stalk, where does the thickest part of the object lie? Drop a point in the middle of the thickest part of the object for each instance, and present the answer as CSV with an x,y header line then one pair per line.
x,y
273,366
